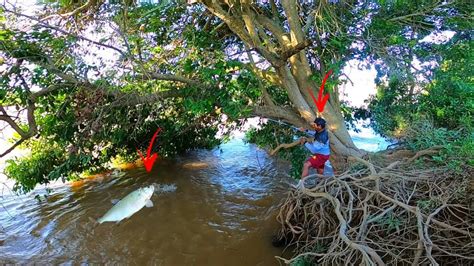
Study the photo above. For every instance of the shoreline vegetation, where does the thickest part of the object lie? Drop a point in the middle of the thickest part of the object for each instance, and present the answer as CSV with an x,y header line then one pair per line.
x,y
115,169
86,81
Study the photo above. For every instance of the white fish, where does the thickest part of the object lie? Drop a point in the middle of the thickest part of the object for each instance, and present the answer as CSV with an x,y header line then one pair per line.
x,y
129,205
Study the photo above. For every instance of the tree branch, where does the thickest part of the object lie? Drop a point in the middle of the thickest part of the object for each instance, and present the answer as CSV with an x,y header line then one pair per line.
x,y
296,32
5,117
248,18
32,127
234,24
285,145
238,27
274,8
278,112
277,31
269,76
287,53
12,147
169,77
135,98
47,90
82,8
424,12
46,25
266,96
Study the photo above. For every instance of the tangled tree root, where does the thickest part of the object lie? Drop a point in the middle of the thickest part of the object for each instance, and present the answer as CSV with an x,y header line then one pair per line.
x,y
376,215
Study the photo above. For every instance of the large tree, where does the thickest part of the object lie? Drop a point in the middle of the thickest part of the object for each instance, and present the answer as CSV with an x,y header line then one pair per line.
x,y
183,65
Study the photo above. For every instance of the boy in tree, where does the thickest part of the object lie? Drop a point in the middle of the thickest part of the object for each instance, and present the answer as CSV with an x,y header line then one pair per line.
x,y
319,147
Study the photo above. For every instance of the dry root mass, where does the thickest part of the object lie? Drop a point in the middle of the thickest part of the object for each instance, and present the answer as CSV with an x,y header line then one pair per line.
x,y
382,212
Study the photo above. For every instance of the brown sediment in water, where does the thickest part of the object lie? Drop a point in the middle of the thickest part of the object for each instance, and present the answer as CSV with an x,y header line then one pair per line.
x,y
196,165
129,165
99,177
220,215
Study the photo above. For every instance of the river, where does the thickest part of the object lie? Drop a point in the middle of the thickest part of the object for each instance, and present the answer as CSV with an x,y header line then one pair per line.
x,y
222,213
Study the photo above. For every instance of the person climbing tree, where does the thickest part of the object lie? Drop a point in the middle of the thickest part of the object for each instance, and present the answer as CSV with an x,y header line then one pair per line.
x,y
319,147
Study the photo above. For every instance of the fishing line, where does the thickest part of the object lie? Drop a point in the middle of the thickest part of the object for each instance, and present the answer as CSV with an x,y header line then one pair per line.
x,y
283,123
258,161
291,126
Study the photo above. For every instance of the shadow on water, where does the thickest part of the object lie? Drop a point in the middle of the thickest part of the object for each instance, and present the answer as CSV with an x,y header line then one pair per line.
x,y
222,212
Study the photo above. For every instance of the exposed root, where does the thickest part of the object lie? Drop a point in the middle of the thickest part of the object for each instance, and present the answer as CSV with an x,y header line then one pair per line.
x,y
430,151
382,214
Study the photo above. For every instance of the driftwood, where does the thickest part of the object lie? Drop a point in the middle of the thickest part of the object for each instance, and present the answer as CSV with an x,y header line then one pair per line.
x,y
288,145
390,213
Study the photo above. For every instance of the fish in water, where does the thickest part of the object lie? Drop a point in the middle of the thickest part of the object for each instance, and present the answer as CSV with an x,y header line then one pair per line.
x,y
129,205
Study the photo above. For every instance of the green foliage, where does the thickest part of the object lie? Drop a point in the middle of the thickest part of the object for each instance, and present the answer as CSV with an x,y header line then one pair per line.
x,y
391,222
82,128
442,114
320,247
457,145
84,124
390,109
355,167
423,135
47,162
428,205
301,261
449,98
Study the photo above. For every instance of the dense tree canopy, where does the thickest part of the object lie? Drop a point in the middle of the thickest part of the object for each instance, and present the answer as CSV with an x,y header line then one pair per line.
x,y
95,78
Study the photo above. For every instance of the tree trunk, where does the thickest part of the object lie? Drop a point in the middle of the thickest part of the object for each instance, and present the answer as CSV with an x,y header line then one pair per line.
x,y
284,49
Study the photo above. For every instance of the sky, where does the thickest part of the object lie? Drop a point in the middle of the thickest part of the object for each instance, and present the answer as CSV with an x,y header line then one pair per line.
x,y
361,87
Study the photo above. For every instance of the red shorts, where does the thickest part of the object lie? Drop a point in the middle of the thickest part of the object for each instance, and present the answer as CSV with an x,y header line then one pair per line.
x,y
317,161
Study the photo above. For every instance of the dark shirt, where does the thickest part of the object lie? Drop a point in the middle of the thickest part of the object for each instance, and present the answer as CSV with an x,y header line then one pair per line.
x,y
322,136
320,145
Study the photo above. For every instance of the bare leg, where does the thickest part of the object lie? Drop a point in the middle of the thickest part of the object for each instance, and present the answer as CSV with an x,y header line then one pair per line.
x,y
305,171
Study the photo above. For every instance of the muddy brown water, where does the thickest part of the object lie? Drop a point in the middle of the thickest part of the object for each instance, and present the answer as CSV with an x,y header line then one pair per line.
x,y
222,213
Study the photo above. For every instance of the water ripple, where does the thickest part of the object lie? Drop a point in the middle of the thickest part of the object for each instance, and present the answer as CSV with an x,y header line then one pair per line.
x,y
223,207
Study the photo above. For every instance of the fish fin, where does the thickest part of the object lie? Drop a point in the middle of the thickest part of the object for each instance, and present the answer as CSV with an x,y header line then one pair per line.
x,y
114,201
149,203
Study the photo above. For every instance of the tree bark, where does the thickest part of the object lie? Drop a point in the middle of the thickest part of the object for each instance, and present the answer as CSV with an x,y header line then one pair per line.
x,y
285,50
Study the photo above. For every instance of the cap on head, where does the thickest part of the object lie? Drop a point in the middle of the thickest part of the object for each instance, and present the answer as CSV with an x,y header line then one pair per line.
x,y
320,122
